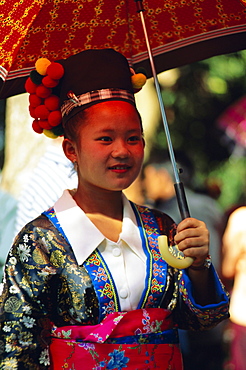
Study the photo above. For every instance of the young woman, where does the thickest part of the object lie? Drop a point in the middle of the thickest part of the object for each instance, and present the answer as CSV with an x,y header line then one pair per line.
x,y
85,286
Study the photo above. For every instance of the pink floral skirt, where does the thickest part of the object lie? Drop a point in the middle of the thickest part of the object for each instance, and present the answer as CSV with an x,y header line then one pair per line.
x,y
139,340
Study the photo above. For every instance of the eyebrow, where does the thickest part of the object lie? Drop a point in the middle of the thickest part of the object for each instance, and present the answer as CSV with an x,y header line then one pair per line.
x,y
112,130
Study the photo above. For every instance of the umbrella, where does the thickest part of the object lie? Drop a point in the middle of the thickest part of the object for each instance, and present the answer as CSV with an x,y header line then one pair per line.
x,y
179,32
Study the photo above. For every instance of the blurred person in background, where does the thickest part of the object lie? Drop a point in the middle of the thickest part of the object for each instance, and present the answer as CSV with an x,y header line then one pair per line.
x,y
43,186
46,183
159,192
234,272
158,183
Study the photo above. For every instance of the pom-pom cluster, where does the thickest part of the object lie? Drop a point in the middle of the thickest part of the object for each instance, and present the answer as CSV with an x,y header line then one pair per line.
x,y
43,104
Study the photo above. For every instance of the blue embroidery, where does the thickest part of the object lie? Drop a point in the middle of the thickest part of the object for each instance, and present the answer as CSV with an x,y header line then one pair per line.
x,y
156,268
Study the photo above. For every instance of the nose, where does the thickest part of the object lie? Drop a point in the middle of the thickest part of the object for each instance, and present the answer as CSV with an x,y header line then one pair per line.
x,y
120,149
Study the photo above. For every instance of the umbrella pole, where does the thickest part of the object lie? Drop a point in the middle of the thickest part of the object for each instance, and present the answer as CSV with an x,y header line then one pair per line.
x,y
178,185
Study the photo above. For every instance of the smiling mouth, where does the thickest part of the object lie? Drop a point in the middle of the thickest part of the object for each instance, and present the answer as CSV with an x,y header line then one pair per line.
x,y
120,168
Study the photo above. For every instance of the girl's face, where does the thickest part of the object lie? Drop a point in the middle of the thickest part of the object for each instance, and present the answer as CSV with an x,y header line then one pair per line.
x,y
109,149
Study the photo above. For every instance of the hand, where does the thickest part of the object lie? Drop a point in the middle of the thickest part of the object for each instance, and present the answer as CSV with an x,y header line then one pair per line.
x,y
192,239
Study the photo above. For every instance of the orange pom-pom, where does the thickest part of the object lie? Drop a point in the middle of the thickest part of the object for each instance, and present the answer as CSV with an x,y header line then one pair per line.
x,y
45,124
52,102
43,92
49,82
55,71
42,112
138,80
41,66
36,127
55,118
34,100
30,86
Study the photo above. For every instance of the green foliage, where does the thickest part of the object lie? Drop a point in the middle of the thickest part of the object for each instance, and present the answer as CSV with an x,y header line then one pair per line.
x,y
193,104
232,175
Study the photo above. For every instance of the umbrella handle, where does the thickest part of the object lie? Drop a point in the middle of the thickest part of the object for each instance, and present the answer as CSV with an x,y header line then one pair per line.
x,y
181,199
177,261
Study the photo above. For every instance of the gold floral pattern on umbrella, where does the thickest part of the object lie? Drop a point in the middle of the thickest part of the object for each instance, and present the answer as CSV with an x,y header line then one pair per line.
x,y
180,32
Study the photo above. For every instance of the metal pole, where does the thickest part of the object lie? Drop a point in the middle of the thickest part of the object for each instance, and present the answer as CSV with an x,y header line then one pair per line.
x,y
179,188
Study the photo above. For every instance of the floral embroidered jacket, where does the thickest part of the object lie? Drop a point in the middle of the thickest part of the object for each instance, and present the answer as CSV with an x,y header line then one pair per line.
x,y
44,287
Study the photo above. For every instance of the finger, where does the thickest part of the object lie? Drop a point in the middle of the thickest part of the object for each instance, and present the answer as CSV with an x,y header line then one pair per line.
x,y
197,253
199,232
190,223
193,243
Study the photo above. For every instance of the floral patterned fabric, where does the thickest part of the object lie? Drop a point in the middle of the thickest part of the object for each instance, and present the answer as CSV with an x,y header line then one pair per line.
x,y
45,288
116,356
100,346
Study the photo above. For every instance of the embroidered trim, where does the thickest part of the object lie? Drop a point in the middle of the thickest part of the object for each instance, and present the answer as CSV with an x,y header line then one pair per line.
x,y
104,284
156,267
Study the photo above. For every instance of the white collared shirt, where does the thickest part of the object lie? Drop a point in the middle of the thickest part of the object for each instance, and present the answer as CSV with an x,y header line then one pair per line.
x,y
125,258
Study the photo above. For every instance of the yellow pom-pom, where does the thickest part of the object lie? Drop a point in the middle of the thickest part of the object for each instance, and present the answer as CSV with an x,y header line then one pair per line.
x,y
138,80
50,134
41,65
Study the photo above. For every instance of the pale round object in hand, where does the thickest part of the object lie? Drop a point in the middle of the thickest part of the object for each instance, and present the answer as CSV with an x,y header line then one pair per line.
x,y
179,262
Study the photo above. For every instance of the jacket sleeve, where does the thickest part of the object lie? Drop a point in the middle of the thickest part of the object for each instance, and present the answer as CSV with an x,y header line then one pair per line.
x,y
187,313
192,316
24,303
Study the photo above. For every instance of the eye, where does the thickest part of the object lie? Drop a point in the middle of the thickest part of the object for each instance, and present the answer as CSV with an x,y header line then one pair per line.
x,y
106,139
134,138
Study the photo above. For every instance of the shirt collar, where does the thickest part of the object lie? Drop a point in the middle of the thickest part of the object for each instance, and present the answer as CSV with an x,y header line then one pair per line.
x,y
83,235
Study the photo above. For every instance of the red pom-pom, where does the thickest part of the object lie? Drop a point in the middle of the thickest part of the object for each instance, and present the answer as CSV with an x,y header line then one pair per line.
x,y
32,112
49,82
34,100
43,92
42,112
55,71
30,86
52,102
55,118
45,124
36,127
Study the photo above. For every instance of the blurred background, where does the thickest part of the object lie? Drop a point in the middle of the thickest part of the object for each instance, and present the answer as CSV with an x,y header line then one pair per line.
x,y
205,104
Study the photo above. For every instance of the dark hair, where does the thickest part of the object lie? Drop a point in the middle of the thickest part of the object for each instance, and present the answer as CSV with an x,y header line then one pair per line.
x,y
72,126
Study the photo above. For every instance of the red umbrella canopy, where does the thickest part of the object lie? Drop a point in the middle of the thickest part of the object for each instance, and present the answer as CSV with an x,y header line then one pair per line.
x,y
180,32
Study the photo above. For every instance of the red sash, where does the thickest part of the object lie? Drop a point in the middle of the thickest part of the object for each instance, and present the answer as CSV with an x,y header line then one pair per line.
x,y
133,340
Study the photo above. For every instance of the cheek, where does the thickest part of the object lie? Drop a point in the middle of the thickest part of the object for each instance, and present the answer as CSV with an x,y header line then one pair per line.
x,y
139,152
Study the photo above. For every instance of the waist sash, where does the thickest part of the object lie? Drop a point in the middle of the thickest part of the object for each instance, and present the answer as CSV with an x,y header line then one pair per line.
x,y
140,339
